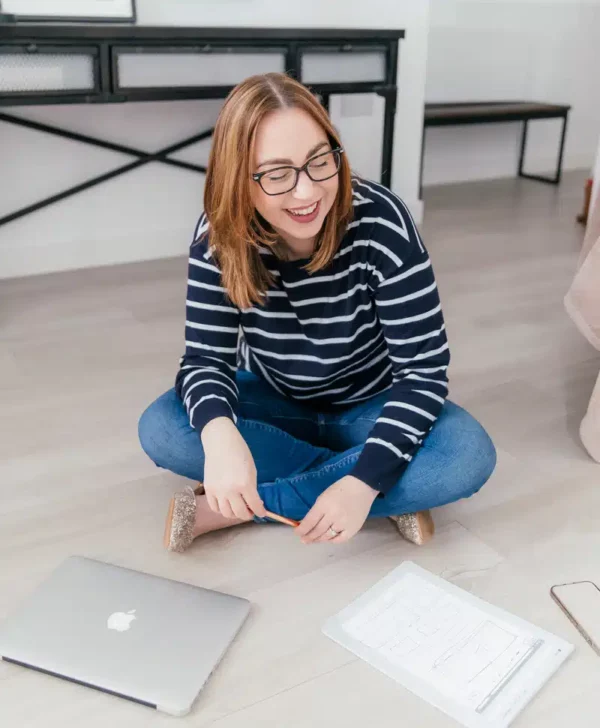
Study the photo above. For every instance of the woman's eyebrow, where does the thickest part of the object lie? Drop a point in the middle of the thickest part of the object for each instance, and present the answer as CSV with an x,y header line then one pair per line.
x,y
289,161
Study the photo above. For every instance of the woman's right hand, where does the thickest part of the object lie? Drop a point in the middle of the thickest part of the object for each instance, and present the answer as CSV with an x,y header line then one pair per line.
x,y
229,472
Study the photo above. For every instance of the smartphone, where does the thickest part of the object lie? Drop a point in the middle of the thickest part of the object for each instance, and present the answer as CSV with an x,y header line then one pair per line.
x,y
580,601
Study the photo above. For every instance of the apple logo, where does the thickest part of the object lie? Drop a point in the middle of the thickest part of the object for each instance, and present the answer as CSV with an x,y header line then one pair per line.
x,y
121,621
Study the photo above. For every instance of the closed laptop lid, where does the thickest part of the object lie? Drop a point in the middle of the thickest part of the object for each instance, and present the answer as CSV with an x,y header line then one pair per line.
x,y
142,637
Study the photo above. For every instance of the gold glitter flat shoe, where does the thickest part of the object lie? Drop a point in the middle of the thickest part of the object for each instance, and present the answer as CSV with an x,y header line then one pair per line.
x,y
181,519
418,528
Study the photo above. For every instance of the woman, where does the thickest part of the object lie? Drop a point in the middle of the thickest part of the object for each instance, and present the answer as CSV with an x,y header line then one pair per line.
x,y
314,380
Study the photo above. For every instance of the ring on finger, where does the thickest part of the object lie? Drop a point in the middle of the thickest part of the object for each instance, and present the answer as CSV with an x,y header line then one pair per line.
x,y
332,532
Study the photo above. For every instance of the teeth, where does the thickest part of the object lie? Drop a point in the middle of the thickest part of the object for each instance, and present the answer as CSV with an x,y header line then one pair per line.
x,y
304,211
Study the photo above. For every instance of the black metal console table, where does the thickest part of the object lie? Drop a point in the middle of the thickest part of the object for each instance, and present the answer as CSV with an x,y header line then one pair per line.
x,y
75,64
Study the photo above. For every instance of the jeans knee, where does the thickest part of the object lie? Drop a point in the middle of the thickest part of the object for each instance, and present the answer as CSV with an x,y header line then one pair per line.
x,y
158,428
168,439
489,457
466,456
149,428
480,460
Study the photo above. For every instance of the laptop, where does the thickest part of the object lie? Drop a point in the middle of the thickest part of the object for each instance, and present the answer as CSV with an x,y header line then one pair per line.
x,y
144,638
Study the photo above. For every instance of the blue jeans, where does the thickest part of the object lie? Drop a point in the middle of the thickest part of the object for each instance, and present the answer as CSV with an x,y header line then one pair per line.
x,y
299,453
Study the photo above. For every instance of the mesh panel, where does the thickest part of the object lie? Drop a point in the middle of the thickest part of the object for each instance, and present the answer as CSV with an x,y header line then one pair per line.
x,y
139,70
45,72
343,67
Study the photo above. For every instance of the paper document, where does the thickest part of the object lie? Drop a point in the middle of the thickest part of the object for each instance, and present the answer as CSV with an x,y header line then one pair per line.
x,y
476,662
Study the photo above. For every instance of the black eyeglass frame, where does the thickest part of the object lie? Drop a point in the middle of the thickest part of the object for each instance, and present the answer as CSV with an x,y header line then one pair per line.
x,y
338,151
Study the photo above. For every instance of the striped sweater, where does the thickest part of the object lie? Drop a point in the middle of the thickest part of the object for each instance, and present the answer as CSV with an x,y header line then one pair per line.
x,y
371,322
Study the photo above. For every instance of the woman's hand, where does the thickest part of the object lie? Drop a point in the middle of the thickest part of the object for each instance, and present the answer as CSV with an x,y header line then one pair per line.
x,y
343,507
229,472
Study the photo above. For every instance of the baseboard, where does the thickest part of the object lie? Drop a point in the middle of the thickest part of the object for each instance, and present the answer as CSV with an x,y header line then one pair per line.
x,y
544,166
53,256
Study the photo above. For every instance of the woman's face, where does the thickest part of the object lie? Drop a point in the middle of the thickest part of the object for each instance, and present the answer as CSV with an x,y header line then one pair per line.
x,y
291,136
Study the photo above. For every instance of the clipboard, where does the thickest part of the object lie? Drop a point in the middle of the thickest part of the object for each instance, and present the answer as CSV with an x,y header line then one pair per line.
x,y
475,662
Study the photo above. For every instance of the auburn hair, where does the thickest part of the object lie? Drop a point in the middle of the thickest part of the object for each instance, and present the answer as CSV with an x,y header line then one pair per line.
x,y
237,230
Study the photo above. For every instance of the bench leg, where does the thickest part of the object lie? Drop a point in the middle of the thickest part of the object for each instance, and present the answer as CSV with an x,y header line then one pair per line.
x,y
561,150
523,145
550,180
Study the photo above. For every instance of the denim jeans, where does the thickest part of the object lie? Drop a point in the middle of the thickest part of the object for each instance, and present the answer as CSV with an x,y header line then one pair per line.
x,y
299,452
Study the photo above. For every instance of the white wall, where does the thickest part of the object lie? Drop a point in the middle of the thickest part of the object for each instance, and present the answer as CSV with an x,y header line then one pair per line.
x,y
150,213
543,50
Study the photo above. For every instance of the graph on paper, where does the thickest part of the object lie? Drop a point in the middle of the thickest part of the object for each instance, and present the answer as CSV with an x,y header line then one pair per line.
x,y
452,644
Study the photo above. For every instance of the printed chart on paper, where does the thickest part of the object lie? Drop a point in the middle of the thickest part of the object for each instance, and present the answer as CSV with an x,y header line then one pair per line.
x,y
456,647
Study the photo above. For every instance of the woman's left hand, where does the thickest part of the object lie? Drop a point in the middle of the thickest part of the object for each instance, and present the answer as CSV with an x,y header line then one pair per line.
x,y
343,508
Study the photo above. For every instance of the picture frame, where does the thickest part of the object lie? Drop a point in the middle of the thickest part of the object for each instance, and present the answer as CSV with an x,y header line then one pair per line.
x,y
69,11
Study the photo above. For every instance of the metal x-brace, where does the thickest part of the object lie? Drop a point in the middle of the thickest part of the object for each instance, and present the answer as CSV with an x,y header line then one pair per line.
x,y
142,158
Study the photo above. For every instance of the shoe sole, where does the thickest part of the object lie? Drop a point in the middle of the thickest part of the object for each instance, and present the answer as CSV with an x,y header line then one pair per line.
x,y
169,525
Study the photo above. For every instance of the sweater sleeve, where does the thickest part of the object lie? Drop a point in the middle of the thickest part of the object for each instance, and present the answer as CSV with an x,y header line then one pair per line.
x,y
409,309
205,381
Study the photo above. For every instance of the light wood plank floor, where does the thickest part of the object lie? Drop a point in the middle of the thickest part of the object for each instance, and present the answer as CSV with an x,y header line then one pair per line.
x,y
81,355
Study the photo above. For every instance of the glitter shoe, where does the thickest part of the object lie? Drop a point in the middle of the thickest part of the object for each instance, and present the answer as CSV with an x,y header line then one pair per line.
x,y
417,527
181,519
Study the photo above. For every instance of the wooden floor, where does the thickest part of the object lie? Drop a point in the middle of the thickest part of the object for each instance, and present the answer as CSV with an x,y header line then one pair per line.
x,y
82,353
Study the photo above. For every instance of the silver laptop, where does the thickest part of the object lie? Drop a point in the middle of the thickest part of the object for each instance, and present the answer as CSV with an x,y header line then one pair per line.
x,y
140,637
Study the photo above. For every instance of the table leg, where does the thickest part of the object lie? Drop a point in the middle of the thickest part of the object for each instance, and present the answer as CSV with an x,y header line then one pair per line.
x,y
387,151
422,162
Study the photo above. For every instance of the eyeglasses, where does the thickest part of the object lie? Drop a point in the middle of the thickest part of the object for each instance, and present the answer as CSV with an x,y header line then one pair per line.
x,y
280,180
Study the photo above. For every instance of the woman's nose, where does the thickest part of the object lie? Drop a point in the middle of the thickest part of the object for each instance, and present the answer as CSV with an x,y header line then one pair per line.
x,y
304,190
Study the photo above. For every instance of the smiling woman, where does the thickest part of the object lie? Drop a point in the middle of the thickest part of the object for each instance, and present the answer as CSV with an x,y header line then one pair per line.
x,y
331,406
277,180
260,196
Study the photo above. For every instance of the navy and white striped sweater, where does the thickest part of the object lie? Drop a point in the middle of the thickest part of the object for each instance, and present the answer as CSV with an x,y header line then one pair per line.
x,y
368,323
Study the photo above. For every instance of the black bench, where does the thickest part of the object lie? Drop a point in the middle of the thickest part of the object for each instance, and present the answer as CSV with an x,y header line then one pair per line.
x,y
493,112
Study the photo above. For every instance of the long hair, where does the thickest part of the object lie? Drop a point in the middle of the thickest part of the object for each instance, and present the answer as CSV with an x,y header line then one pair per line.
x,y
237,230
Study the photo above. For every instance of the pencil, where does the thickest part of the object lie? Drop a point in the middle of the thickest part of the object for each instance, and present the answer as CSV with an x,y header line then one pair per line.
x,y
282,519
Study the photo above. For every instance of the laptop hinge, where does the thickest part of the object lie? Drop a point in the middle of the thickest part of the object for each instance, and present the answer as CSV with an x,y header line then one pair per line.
x,y
79,682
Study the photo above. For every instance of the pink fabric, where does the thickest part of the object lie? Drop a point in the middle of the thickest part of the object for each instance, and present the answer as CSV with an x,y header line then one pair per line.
x,y
583,298
583,305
